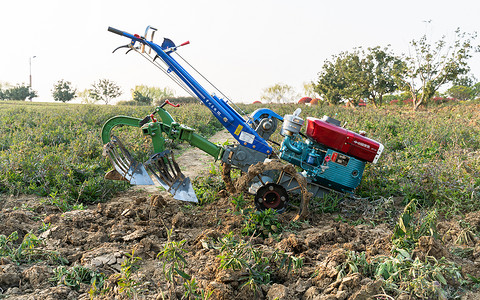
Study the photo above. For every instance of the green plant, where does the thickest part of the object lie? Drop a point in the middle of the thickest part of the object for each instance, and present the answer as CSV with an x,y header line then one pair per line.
x,y
173,260
44,227
62,204
240,255
207,187
400,273
327,204
192,291
174,264
28,250
261,223
126,283
76,275
411,226
424,279
239,203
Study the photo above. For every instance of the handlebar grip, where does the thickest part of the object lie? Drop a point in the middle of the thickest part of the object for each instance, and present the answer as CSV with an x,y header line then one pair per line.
x,y
116,31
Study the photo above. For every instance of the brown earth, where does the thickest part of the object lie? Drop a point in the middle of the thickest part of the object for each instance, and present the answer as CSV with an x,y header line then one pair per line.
x,y
101,237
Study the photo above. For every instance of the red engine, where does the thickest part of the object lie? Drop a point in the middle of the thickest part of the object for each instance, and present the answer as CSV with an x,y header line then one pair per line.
x,y
343,140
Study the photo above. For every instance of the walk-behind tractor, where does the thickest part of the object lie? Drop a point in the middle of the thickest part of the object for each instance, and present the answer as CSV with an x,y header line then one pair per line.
x,y
327,158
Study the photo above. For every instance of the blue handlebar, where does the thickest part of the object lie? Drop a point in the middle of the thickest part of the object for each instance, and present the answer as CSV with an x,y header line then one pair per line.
x,y
227,116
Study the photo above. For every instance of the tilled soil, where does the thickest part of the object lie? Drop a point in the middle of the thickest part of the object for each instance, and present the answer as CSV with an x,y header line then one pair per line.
x,y
103,236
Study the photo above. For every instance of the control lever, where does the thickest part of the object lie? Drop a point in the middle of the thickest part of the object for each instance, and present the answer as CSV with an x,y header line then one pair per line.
x,y
168,102
151,116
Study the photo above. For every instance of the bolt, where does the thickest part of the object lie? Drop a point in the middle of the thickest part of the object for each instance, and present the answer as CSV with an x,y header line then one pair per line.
x,y
260,200
283,198
270,188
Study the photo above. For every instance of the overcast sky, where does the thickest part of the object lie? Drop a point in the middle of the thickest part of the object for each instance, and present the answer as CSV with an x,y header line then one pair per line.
x,y
241,46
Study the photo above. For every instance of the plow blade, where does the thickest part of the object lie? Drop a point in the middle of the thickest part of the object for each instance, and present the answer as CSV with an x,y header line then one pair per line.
x,y
126,168
167,173
162,166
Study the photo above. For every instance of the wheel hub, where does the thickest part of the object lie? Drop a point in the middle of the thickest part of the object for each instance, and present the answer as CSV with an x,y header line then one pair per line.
x,y
272,196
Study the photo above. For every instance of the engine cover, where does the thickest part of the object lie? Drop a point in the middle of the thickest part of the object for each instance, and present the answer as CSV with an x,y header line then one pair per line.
x,y
344,140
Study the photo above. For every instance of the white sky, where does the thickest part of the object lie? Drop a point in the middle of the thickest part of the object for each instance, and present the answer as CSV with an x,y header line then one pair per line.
x,y
240,46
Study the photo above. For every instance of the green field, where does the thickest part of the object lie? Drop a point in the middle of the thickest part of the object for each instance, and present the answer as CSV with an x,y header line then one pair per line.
x,y
431,155
413,230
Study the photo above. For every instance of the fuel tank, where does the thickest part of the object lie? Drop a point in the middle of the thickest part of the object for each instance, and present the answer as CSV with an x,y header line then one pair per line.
x,y
343,140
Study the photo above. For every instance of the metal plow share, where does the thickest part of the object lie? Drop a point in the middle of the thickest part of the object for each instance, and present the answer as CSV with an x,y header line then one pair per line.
x,y
161,167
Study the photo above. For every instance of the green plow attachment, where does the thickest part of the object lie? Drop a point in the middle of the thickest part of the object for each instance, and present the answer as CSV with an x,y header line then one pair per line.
x,y
161,166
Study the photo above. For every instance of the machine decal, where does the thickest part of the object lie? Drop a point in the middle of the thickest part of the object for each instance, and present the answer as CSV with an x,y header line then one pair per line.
x,y
238,130
246,137
340,159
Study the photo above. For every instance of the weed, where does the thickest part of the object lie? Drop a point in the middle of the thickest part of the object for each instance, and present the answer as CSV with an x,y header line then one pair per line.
x,y
239,203
411,226
28,250
173,260
76,275
261,223
62,204
126,283
174,264
260,268
207,187
401,273
329,203
44,227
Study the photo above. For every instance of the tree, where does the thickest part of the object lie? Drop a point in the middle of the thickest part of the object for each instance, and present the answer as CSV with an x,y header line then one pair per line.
x,y
464,88
431,65
331,80
85,97
63,91
309,90
105,90
280,93
19,92
146,95
358,74
379,71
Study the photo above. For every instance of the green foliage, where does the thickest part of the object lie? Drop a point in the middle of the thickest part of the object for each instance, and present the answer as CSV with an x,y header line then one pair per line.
x,y
55,151
411,226
430,65
76,275
260,267
464,92
174,261
19,92
145,95
401,273
207,187
173,266
63,91
126,282
261,222
357,75
105,90
279,93
28,250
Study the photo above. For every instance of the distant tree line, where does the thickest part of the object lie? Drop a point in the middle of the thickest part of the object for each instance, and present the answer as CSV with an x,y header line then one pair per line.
x,y
19,92
373,73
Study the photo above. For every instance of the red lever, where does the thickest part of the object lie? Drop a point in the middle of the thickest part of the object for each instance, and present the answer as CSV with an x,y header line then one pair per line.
x,y
186,43
174,105
153,118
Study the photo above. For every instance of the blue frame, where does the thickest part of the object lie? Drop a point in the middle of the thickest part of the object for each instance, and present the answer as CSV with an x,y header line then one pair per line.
x,y
228,117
